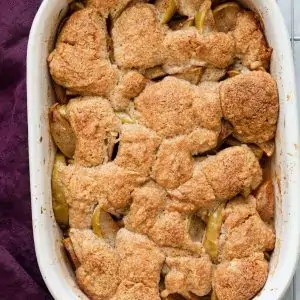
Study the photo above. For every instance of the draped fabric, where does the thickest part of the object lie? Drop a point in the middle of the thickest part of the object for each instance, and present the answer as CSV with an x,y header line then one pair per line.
x,y
20,277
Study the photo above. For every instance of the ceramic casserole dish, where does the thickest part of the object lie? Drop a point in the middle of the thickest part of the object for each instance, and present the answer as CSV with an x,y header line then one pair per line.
x,y
53,263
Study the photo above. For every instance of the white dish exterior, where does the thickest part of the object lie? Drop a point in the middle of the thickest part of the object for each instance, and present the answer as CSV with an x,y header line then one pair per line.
x,y
285,165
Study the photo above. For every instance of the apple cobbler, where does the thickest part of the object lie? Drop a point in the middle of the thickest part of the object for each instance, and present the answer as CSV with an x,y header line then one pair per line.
x,y
165,120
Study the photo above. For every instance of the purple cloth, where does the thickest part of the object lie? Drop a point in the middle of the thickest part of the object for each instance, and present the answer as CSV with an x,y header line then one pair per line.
x,y
20,278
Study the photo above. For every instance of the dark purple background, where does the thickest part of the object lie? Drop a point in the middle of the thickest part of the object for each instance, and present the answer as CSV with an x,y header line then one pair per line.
x,y
20,278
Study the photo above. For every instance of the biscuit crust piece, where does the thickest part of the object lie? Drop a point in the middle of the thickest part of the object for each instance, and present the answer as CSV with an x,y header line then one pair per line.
x,y
250,103
137,37
80,60
251,45
251,236
243,231
196,191
140,265
231,171
174,163
147,203
188,275
95,126
140,259
220,177
137,148
265,201
130,85
97,274
188,48
240,279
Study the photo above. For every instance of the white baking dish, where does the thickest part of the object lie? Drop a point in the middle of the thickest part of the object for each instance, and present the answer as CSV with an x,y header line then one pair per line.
x,y
285,166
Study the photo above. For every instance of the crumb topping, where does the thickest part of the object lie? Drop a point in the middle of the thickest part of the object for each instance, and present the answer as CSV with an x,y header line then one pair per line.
x,y
166,114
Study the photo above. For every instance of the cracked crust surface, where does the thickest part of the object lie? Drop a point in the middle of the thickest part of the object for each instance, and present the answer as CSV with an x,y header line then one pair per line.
x,y
202,140
152,215
207,108
237,211
181,50
140,264
116,184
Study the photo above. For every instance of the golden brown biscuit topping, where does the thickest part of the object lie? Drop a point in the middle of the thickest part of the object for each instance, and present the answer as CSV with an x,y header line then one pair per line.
x,y
166,117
